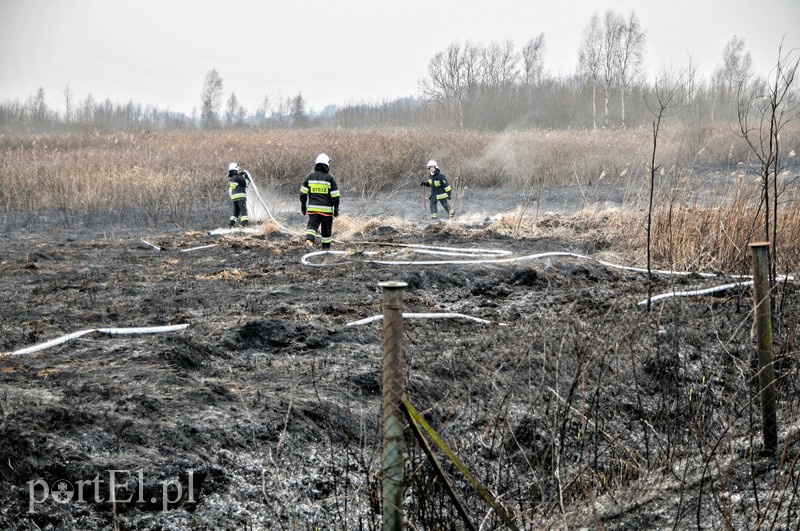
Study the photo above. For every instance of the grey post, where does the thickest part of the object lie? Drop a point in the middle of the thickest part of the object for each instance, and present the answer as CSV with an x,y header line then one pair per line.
x,y
766,370
394,393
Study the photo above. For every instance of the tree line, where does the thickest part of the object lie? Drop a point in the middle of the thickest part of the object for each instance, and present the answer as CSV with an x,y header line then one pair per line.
x,y
469,86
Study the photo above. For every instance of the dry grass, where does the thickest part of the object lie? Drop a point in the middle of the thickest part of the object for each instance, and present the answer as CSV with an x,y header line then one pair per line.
x,y
179,178
352,228
235,275
694,238
683,237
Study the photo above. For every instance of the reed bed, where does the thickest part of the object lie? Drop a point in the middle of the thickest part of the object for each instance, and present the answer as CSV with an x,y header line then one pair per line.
x,y
179,178
683,237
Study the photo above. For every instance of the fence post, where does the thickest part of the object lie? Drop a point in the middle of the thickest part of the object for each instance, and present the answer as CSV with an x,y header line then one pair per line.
x,y
394,393
766,369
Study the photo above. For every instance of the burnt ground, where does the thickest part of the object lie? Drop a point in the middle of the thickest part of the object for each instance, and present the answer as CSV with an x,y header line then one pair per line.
x,y
574,405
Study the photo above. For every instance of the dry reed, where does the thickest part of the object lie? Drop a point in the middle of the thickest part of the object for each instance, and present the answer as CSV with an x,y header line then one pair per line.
x,y
178,178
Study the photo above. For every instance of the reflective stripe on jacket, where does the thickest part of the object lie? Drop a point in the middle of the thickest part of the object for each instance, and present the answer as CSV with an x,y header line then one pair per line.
x,y
440,188
320,192
237,185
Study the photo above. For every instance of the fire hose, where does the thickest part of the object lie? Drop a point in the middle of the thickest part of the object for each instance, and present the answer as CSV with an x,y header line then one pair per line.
x,y
101,331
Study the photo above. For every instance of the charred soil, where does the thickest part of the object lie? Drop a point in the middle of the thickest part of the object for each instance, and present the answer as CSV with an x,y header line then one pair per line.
x,y
574,404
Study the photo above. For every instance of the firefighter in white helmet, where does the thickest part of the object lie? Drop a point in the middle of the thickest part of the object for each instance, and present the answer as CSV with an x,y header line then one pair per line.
x,y
319,198
238,181
440,189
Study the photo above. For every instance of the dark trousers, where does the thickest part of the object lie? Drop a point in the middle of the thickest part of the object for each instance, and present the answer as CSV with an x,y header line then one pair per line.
x,y
433,205
239,210
322,222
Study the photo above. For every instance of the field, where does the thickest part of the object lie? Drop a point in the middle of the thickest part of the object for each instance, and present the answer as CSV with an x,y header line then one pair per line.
x,y
574,404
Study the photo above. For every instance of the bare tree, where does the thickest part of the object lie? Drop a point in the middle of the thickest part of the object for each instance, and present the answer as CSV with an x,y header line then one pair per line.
x,y
263,110
737,64
669,95
445,84
763,112
241,113
38,108
471,73
234,112
532,55
733,74
470,65
212,94
612,30
629,57
85,113
533,60
454,76
590,58
68,103
298,109
499,66
282,112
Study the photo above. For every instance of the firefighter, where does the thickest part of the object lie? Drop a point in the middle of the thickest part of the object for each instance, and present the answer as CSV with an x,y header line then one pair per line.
x,y
238,181
319,198
440,189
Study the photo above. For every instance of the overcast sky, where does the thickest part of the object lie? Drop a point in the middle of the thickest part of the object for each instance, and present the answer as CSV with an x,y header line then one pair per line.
x,y
158,52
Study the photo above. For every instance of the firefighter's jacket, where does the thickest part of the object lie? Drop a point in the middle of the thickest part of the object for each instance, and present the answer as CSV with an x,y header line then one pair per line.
x,y
319,193
237,185
440,188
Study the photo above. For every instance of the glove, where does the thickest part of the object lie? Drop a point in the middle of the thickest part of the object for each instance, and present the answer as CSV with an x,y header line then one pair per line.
x,y
422,183
303,209
336,212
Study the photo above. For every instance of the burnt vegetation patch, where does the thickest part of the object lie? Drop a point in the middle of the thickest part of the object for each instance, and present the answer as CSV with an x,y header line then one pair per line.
x,y
574,403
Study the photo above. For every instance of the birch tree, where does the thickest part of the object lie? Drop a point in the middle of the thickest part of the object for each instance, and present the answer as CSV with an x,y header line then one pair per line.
x,y
590,58
735,70
69,99
263,110
234,112
612,30
499,66
453,78
629,56
533,60
211,98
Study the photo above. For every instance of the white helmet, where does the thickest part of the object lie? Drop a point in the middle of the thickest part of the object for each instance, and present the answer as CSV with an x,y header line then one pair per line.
x,y
322,158
233,166
433,163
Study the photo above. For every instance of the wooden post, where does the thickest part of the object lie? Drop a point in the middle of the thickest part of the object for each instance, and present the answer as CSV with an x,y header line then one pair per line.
x,y
394,393
766,369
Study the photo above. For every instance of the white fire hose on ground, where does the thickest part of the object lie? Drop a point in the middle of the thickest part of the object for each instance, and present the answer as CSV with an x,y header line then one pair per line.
x,y
494,256
102,331
491,256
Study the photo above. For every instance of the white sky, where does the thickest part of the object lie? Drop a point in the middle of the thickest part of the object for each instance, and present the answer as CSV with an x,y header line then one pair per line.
x,y
158,52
